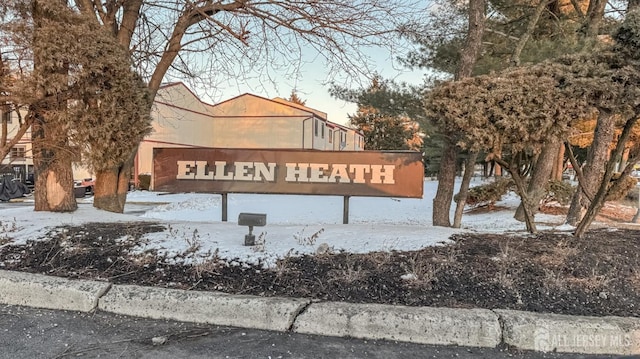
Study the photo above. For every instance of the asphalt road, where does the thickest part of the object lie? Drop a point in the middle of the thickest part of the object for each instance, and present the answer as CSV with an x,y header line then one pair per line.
x,y
38,333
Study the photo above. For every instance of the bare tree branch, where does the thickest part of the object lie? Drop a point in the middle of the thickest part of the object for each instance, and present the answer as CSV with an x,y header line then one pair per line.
x,y
237,36
531,26
577,8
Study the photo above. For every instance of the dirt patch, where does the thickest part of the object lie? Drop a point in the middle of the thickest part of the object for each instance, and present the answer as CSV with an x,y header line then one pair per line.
x,y
548,272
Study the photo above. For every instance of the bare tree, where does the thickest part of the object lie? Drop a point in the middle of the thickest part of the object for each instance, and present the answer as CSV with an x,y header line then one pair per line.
x,y
206,41
227,39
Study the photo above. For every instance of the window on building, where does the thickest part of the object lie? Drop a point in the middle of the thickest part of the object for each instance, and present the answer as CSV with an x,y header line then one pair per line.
x,y
343,140
6,113
316,127
330,136
322,126
17,153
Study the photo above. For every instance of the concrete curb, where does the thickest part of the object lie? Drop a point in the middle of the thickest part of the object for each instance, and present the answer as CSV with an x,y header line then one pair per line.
x,y
35,290
570,334
203,307
465,327
424,325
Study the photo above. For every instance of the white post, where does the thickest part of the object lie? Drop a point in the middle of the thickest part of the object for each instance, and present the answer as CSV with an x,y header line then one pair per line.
x,y
637,216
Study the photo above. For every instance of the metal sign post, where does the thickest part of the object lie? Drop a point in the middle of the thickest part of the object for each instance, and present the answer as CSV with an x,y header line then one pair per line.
x,y
345,210
224,207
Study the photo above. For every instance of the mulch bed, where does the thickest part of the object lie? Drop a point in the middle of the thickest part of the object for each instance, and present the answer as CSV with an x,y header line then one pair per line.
x,y
548,272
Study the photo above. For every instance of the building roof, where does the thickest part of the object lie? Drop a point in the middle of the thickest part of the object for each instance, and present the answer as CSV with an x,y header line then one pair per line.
x,y
320,114
277,100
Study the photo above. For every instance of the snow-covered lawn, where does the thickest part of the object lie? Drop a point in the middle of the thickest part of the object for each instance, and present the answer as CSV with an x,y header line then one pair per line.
x,y
295,224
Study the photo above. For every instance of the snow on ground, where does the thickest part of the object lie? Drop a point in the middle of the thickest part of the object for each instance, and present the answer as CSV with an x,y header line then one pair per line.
x,y
295,224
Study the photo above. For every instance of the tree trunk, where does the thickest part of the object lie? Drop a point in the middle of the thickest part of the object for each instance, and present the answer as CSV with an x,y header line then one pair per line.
x,y
594,167
578,8
529,219
464,188
497,168
539,178
514,169
469,53
447,174
531,26
595,15
558,167
52,154
112,185
623,160
603,185
446,184
53,173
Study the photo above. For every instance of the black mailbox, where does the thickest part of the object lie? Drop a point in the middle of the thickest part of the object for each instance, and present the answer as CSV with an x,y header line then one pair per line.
x,y
251,220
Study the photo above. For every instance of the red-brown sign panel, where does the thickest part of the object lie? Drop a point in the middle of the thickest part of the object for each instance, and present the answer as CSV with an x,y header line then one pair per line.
x,y
343,173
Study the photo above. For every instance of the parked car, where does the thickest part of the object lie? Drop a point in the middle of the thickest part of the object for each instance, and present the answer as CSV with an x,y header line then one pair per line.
x,y
11,187
88,184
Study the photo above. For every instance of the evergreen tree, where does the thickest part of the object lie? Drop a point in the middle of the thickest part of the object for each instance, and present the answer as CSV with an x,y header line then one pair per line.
x,y
296,99
385,116
514,113
383,132
509,24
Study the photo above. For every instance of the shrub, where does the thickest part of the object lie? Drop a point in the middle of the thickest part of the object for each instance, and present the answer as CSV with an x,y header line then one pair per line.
x,y
628,183
488,194
559,191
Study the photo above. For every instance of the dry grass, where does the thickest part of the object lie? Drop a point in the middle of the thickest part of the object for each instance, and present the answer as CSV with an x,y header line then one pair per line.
x,y
558,255
420,272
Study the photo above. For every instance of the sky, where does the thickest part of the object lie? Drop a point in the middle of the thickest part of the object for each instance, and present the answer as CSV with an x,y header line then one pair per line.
x,y
296,224
293,63
311,86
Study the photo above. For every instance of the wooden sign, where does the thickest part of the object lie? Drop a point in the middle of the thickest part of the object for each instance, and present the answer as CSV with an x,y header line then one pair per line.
x,y
343,173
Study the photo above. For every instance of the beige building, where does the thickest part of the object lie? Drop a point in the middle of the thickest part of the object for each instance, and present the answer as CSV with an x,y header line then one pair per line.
x,y
19,161
181,119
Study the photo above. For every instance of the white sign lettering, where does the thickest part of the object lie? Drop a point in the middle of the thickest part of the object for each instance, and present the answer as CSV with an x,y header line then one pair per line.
x,y
240,171
295,172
